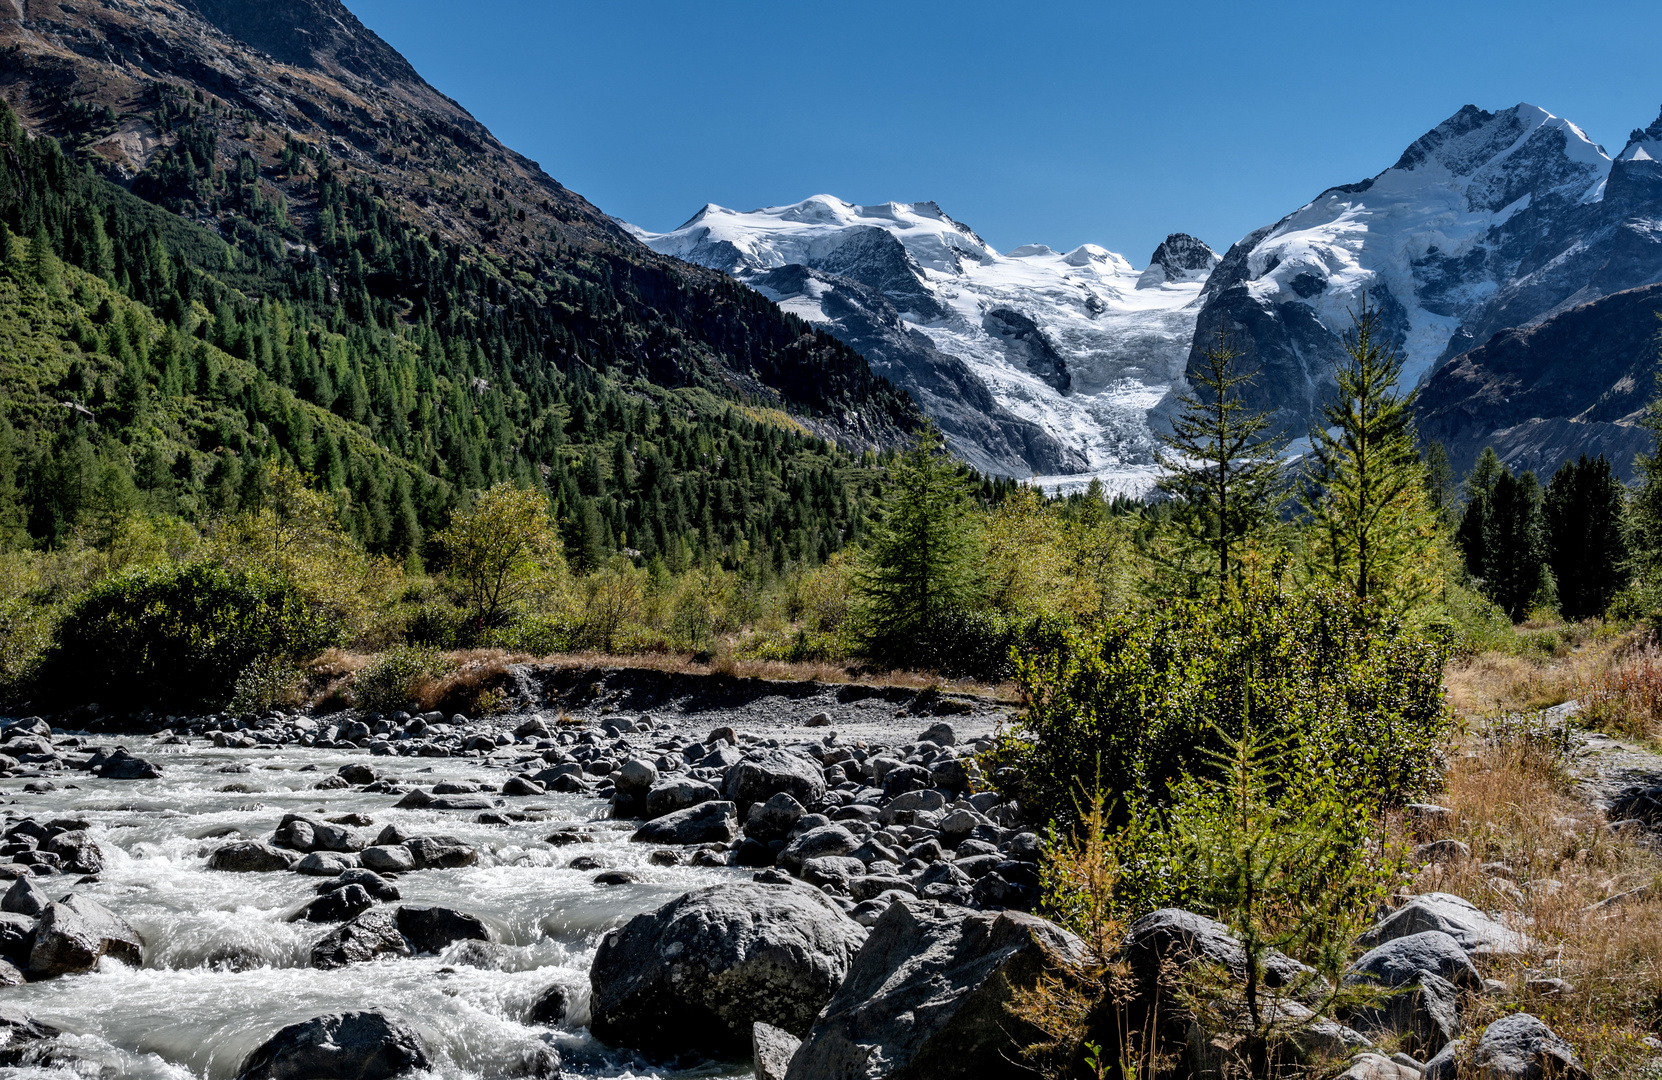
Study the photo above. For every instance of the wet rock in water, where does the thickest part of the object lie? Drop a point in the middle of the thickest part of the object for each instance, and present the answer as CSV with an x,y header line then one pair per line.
x,y
1516,1047
121,765
17,938
484,955
677,793
374,933
356,773
1397,962
338,905
927,996
326,863
414,799
615,877
706,823
374,884
551,1006
339,1046
771,1050
78,852
434,929
520,785
251,856
23,1040
440,852
24,898
766,773
696,973
10,974
387,858
73,933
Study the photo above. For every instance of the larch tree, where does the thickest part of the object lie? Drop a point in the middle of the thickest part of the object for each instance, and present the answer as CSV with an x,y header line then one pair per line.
x,y
1374,526
1219,464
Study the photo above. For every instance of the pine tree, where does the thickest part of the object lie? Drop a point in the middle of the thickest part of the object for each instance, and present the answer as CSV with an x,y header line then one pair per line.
x,y
1514,544
1219,465
1586,536
1375,528
921,563
1472,534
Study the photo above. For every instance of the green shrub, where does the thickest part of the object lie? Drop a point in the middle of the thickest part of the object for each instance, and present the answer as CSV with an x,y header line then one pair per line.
x,y
392,680
1148,698
178,636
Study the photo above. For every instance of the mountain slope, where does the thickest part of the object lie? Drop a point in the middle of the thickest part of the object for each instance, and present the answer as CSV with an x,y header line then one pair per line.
x,y
409,310
1033,361
174,97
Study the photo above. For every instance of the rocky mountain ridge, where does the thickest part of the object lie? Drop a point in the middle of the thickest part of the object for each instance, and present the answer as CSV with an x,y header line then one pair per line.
x,y
1033,361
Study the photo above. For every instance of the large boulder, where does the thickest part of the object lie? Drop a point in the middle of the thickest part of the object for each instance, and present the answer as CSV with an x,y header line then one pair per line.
x,y
677,793
74,932
927,997
123,766
1516,1047
774,819
765,773
374,933
706,823
434,929
817,844
1477,933
1424,1012
1399,961
17,937
339,1046
440,853
78,852
23,1039
251,856
699,971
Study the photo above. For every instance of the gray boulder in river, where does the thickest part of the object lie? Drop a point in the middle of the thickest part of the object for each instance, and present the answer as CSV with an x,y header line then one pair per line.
x,y
706,823
74,932
338,1046
926,997
699,971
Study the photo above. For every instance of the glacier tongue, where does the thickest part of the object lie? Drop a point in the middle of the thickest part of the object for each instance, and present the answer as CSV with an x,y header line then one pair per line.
x,y
1035,362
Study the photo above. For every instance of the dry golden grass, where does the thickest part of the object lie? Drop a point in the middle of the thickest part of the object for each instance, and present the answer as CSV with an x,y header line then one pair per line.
x,y
1562,661
1626,695
1546,858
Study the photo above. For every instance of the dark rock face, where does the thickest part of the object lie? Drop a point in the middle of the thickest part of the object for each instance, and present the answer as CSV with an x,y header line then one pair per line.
x,y
1542,394
1399,961
1028,343
339,1046
700,970
1180,257
339,905
1425,1011
23,1039
73,933
926,997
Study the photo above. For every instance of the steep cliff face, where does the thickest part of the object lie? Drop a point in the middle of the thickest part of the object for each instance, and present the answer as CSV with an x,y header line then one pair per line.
x,y
1575,383
225,110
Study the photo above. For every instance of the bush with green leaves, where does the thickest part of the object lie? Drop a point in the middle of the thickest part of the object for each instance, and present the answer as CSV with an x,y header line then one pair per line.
x,y
178,636
392,680
1142,701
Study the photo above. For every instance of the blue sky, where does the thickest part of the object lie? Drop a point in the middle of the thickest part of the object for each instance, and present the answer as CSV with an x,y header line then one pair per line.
x,y
1033,122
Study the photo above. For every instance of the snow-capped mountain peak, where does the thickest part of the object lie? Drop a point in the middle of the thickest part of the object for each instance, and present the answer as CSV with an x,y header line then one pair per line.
x,y
1065,352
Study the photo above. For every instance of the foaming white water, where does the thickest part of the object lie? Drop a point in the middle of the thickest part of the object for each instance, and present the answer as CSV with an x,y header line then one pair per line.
x,y
225,968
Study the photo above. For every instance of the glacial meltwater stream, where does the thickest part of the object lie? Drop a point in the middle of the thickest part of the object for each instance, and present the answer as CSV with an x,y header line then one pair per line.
x,y
224,967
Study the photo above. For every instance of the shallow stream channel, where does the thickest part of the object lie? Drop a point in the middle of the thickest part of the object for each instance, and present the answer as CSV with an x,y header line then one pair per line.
x,y
225,964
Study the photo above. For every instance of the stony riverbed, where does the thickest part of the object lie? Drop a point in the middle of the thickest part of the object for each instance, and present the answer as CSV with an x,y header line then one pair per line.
x,y
228,957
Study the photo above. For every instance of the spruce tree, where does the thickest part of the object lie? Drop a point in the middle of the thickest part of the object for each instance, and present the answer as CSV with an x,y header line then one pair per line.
x,y
1514,544
920,563
1586,536
1219,464
1374,525
1472,534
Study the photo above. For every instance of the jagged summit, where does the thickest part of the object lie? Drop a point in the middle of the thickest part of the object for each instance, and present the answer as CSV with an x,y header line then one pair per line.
x,y
1180,257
